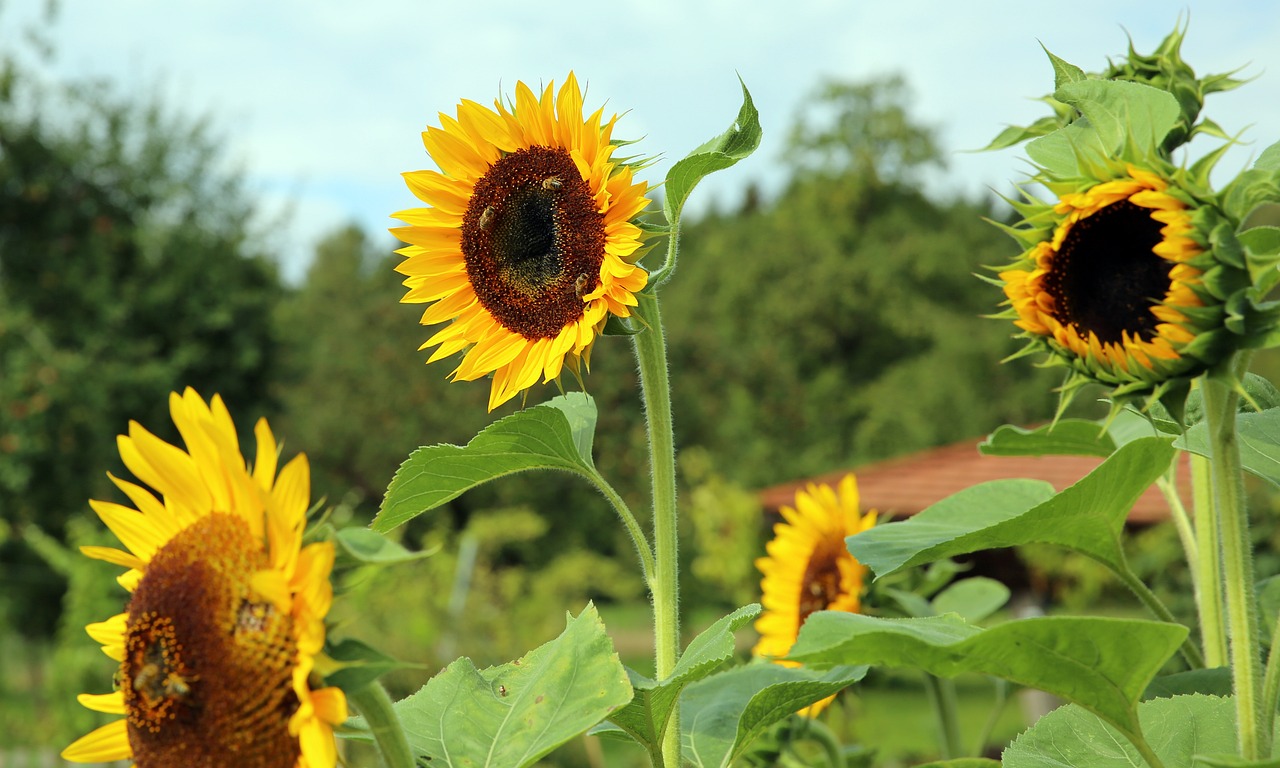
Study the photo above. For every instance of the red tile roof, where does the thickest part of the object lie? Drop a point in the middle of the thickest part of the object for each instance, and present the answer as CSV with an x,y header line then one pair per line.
x,y
907,484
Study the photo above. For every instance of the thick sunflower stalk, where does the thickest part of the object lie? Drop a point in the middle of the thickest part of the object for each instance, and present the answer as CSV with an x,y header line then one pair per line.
x,y
1139,276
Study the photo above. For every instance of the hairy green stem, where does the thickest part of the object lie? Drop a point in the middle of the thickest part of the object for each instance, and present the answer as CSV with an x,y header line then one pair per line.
x,y
1168,485
1213,630
1271,684
651,355
373,702
641,542
942,695
1254,731
1190,651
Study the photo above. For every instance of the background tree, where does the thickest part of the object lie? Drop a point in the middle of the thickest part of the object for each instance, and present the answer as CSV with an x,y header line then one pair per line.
x,y
128,269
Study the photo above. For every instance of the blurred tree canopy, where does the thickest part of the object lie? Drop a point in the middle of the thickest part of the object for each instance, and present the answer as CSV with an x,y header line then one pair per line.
x,y
128,269
842,323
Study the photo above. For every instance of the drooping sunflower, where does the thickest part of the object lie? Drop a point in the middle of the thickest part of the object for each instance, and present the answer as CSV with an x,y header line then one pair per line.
x,y
226,614
808,568
529,240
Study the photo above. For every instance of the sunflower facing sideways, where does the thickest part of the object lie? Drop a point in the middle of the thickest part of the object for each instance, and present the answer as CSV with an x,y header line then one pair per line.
x,y
808,568
1117,286
217,645
528,241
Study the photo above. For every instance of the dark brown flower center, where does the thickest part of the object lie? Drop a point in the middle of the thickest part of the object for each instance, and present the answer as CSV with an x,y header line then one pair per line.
x,y
533,241
1105,276
820,586
207,676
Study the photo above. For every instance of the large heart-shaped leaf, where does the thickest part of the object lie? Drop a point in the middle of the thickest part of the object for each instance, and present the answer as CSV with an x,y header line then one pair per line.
x,y
1101,664
511,715
1087,517
555,435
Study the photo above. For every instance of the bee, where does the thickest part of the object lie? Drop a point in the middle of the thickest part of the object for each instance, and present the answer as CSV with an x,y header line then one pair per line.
x,y
551,184
487,216
155,682
580,284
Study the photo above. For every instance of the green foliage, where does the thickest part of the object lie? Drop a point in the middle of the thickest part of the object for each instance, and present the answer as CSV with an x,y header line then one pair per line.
x,y
1101,664
1259,436
717,154
1178,729
1087,517
837,309
648,715
556,435
128,269
725,521
722,715
515,713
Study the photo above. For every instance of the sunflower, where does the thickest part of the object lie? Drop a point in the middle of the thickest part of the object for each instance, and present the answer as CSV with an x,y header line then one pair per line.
x,y
528,243
1119,282
808,568
226,614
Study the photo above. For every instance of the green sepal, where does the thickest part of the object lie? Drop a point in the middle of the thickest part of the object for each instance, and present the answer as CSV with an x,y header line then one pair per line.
x,y
352,664
621,326
363,546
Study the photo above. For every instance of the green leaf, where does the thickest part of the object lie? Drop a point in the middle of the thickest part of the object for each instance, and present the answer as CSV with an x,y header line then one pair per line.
x,y
1117,115
511,715
1087,517
362,546
974,599
1064,73
888,548
1214,682
359,664
1101,664
1269,160
647,716
1177,729
724,151
721,715
1228,760
1069,437
963,762
556,435
1259,437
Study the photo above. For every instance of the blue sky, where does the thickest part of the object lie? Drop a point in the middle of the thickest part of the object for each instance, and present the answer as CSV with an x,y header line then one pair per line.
x,y
322,103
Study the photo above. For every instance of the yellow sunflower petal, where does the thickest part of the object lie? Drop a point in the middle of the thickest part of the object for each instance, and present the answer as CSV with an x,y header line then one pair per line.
x,y
105,745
